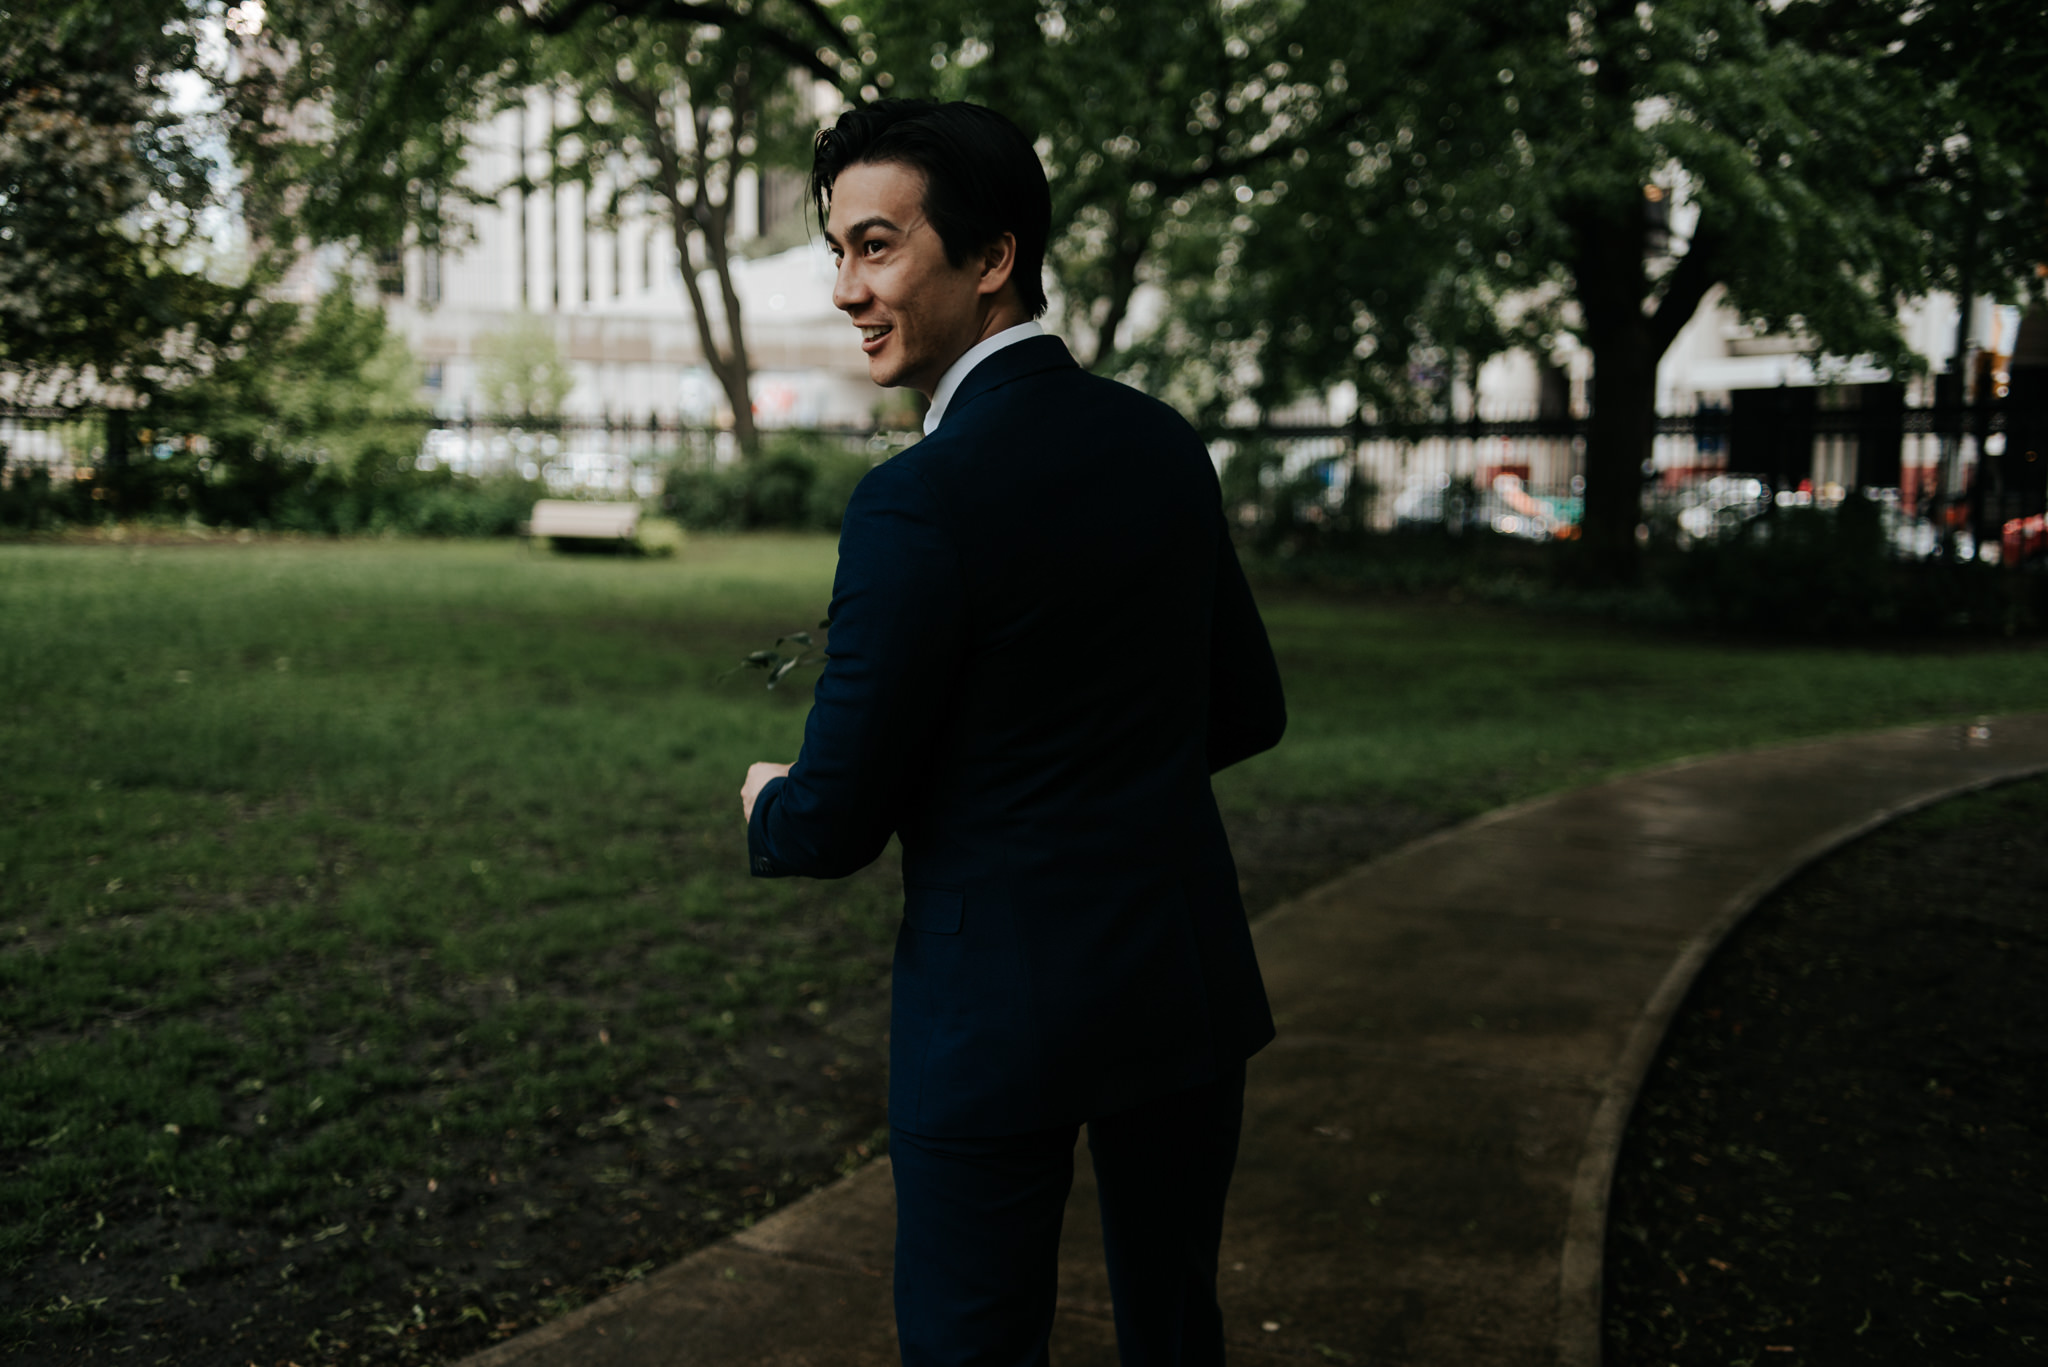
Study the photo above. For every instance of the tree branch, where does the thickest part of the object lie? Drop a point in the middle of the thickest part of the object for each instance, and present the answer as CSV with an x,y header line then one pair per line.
x,y
560,16
1684,288
1123,282
1219,163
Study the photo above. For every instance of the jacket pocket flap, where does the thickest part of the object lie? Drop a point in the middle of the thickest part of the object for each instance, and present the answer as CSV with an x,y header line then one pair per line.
x,y
935,911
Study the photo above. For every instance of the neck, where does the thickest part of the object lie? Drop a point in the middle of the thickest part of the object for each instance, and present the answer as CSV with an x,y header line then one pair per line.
x,y
1000,316
1004,314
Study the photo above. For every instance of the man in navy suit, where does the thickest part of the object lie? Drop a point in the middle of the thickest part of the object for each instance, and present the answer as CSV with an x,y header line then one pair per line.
x,y
1041,648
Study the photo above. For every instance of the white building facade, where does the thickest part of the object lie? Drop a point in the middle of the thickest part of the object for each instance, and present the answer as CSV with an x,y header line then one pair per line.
x,y
615,300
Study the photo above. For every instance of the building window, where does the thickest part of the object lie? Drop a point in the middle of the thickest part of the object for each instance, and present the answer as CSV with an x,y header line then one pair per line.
x,y
430,277
435,374
782,199
391,272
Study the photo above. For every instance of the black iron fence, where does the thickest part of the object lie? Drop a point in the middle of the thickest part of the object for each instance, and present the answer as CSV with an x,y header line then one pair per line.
x,y
1971,471
1975,472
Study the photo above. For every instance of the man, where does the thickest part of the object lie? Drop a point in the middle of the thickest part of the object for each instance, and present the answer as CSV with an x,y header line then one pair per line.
x,y
1041,647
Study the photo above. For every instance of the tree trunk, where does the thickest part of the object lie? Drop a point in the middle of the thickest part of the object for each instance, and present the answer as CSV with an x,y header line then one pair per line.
x,y
1131,246
1611,287
1618,440
730,369
729,363
737,374
116,474
1627,338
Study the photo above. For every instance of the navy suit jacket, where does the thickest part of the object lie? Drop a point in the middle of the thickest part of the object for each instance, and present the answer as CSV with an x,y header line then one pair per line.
x,y
1041,646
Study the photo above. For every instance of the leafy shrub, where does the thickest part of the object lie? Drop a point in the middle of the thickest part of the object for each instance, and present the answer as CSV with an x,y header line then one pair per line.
x,y
1794,572
797,482
837,471
30,500
704,499
1831,572
1273,511
313,430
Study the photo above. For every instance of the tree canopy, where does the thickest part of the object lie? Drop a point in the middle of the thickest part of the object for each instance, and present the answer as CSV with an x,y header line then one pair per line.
x,y
103,188
1353,190
1373,191
361,121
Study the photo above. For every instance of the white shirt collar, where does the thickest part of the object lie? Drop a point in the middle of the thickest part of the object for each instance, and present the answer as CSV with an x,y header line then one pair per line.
x,y
969,359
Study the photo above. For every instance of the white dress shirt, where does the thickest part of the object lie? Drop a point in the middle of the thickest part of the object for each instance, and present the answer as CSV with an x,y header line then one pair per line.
x,y
969,359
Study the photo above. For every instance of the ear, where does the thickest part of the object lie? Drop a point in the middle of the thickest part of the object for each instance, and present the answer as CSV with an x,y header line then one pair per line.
x,y
998,259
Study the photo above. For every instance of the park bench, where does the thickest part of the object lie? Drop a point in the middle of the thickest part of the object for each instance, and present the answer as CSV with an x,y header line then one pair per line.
x,y
566,519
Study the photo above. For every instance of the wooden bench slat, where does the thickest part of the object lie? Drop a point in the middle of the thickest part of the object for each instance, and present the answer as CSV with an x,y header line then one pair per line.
x,y
568,518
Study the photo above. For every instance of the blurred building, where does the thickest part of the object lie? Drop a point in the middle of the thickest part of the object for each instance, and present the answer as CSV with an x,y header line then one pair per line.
x,y
615,300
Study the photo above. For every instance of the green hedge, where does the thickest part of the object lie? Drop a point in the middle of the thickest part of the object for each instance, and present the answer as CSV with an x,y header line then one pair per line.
x,y
377,492
798,481
1793,573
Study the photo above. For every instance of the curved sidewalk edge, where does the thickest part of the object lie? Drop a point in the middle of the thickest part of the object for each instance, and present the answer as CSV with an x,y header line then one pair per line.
x,y
1428,1146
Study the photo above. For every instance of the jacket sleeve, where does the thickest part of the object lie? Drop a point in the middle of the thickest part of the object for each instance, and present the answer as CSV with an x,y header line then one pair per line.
x,y
891,655
1247,711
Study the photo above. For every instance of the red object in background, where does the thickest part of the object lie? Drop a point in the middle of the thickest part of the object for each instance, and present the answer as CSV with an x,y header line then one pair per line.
x,y
2022,537
1917,484
1674,477
1488,474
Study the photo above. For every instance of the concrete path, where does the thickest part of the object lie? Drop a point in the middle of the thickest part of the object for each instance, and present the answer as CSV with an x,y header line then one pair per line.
x,y
1428,1146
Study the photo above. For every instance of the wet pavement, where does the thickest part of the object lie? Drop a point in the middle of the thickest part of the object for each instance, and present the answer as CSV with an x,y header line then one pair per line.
x,y
1428,1145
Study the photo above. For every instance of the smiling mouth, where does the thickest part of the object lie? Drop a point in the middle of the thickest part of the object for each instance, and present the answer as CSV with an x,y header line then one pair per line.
x,y
870,337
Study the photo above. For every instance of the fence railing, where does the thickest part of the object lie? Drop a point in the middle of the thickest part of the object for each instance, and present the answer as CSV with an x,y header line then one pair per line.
x,y
1974,467
592,456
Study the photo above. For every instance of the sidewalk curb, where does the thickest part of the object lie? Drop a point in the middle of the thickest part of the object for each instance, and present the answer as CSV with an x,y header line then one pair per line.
x,y
1581,1277
1583,915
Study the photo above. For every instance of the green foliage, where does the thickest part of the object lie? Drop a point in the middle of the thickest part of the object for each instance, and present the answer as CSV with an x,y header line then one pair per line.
x,y
779,666
1273,511
445,838
1801,573
1386,194
406,83
31,500
522,372
313,428
1831,152
102,188
797,482
651,110
1806,572
1148,116
348,859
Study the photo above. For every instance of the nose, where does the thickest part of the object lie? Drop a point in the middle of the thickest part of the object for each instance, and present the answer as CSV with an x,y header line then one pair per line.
x,y
849,291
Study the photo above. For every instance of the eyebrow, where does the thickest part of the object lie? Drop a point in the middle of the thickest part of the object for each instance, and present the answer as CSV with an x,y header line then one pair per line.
x,y
864,227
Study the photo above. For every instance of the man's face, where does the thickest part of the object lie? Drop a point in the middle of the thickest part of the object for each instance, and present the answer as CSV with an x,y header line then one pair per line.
x,y
917,313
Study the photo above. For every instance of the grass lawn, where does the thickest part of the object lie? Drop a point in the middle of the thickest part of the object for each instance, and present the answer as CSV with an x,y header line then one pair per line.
x,y
381,973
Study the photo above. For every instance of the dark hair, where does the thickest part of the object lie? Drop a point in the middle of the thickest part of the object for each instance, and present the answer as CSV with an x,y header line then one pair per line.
x,y
981,177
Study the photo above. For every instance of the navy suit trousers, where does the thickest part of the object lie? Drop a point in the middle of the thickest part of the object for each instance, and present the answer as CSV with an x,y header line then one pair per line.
x,y
978,1232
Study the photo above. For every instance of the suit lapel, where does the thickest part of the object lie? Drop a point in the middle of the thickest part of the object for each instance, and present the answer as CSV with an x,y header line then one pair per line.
x,y
1032,356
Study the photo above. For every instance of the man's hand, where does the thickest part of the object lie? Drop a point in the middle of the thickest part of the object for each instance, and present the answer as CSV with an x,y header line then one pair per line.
x,y
757,779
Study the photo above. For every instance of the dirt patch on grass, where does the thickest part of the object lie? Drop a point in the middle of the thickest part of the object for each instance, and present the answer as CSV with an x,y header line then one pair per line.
x,y
422,1224
398,1267
1841,1154
1284,851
